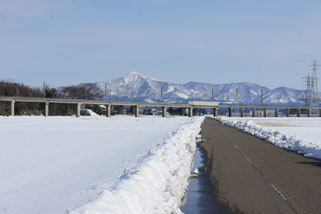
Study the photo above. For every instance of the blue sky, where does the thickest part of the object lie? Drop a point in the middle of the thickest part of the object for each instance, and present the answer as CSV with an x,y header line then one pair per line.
x,y
63,42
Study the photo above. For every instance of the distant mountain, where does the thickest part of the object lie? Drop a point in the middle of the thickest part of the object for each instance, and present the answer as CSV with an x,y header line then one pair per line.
x,y
137,87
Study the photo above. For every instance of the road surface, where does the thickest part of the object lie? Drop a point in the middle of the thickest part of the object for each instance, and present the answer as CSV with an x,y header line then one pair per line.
x,y
253,176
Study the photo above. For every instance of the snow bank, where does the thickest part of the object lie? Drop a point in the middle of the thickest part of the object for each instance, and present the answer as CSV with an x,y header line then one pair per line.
x,y
53,164
92,113
286,141
158,183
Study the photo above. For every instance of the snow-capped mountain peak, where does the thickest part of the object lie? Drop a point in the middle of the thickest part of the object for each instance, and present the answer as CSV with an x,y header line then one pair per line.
x,y
133,76
138,87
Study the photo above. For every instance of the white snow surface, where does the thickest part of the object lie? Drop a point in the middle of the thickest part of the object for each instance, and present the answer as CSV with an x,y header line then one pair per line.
x,y
95,164
300,135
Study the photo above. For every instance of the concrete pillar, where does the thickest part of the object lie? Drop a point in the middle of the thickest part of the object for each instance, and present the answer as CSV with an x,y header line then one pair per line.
x,y
46,109
122,110
264,112
253,112
287,113
276,112
137,111
12,107
164,111
230,112
298,112
309,112
241,112
215,112
190,110
78,109
108,110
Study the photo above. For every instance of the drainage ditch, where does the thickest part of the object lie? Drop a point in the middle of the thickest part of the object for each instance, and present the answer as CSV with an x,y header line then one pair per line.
x,y
200,194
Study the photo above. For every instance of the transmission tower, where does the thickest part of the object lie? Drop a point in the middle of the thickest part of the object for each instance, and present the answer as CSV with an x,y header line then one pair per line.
x,y
311,96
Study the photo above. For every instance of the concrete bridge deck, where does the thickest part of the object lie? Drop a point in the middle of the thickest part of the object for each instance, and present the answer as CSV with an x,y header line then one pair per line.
x,y
164,106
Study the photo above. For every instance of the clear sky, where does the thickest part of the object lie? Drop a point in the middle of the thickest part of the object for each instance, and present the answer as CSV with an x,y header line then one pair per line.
x,y
62,42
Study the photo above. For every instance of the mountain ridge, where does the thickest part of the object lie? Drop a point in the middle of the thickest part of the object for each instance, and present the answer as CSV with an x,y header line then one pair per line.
x,y
138,87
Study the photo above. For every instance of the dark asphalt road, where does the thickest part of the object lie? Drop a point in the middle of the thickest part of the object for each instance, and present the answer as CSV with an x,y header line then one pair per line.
x,y
254,176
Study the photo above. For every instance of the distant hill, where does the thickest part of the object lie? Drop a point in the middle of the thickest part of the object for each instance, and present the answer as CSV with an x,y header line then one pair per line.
x,y
16,89
137,87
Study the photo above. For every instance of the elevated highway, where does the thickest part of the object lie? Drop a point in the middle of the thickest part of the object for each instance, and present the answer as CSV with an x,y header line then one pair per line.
x,y
190,106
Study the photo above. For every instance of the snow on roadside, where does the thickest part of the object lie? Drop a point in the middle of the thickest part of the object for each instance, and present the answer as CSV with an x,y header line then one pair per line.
x,y
290,142
158,183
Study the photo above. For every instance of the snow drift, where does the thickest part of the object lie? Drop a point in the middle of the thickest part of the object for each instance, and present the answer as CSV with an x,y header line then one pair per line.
x,y
158,183
286,141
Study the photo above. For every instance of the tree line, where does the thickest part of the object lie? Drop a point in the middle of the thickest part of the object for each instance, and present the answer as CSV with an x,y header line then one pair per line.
x,y
12,89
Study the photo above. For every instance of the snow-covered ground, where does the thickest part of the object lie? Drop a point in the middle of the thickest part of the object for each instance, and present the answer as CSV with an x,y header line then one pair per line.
x,y
95,164
302,135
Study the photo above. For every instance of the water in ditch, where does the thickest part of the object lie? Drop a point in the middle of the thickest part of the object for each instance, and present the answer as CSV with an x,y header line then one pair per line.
x,y
200,194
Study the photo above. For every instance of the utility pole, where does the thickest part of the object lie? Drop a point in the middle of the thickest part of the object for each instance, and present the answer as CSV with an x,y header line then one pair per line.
x,y
237,94
212,94
44,87
105,91
262,94
161,94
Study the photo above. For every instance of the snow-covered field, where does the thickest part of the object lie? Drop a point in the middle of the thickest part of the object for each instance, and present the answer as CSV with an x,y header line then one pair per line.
x,y
302,135
95,164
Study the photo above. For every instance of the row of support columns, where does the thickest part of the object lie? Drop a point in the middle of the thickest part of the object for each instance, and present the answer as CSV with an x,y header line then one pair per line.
x,y
276,112
46,109
164,108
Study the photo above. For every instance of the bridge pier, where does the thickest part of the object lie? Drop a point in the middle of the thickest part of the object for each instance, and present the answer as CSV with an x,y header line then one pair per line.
x,y
78,110
190,111
137,111
253,112
230,111
108,110
12,107
309,112
241,112
164,111
46,109
164,106
215,112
